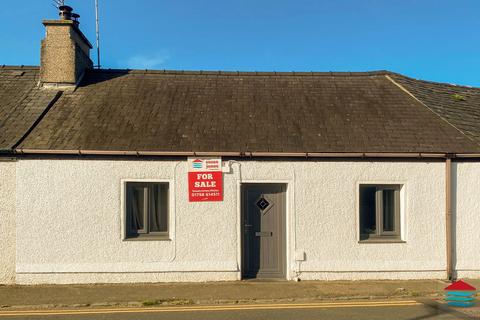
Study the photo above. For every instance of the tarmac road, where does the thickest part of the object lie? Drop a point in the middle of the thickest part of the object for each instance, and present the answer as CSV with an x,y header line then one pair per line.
x,y
371,310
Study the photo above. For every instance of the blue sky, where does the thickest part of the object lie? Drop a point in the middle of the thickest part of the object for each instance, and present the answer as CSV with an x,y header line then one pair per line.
x,y
436,40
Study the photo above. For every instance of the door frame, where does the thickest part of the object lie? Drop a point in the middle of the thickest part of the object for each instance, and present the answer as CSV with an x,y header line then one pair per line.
x,y
288,227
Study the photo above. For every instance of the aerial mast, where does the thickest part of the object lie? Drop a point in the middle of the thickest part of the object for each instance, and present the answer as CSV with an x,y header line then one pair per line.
x,y
98,34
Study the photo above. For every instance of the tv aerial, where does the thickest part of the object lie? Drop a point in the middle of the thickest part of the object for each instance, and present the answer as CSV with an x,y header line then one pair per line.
x,y
59,3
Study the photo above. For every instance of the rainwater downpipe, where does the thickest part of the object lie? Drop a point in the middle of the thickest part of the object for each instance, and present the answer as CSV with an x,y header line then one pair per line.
x,y
238,186
448,216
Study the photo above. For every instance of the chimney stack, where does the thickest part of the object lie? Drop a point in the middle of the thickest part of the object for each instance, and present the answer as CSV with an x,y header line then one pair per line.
x,y
65,53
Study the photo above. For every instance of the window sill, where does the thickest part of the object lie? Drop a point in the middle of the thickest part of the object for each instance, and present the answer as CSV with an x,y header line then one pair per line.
x,y
382,240
148,238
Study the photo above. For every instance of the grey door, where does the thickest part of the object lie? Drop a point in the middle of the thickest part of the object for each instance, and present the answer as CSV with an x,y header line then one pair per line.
x,y
263,230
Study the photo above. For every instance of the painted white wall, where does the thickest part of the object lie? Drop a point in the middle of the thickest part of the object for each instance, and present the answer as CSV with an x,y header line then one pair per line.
x,y
467,219
7,222
69,222
324,200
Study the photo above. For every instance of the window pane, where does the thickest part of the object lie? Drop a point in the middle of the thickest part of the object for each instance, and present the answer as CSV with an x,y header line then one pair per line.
x,y
159,208
137,208
367,211
388,210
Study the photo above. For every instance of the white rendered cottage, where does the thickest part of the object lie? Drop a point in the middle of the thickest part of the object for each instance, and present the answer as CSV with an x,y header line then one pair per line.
x,y
145,176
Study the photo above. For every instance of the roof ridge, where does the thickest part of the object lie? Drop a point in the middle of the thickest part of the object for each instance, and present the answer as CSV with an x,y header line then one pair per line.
x,y
245,73
428,108
434,82
380,72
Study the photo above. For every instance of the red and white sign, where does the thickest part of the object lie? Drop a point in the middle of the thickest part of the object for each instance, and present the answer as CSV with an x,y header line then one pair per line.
x,y
205,179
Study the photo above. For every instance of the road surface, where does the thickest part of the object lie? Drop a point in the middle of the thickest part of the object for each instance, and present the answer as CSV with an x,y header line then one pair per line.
x,y
371,310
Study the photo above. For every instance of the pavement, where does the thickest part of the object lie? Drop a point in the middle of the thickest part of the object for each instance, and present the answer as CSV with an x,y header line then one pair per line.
x,y
103,295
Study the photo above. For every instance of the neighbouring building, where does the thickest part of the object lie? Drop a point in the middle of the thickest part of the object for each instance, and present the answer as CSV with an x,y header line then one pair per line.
x,y
142,176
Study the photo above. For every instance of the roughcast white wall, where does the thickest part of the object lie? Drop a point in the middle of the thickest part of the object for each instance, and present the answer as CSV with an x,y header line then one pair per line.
x,y
466,216
7,222
70,211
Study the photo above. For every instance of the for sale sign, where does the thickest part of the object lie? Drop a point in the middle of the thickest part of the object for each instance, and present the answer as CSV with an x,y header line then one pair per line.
x,y
205,186
205,181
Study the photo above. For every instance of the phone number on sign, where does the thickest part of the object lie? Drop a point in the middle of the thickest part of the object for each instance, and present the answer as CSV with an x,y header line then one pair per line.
x,y
205,194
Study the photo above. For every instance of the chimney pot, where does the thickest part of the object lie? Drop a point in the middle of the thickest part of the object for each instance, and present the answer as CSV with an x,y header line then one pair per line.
x,y
75,17
65,12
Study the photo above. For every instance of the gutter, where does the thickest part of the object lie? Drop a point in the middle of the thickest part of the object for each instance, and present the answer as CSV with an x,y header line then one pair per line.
x,y
250,154
242,154
467,155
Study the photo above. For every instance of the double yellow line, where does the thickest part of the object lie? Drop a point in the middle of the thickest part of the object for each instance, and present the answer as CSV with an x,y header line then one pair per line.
x,y
240,307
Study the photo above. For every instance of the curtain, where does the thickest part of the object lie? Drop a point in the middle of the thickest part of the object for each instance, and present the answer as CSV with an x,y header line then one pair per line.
x,y
155,212
136,200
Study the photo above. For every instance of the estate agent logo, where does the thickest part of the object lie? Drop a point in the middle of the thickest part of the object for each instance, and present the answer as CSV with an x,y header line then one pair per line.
x,y
204,164
460,294
197,164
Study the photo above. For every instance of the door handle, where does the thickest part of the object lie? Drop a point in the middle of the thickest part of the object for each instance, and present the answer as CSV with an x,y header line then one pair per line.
x,y
264,234
248,225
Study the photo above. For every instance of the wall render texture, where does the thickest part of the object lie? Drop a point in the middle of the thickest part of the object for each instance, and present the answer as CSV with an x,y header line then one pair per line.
x,y
466,216
7,222
77,234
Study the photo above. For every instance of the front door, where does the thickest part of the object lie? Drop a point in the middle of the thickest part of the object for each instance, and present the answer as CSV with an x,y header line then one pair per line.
x,y
263,230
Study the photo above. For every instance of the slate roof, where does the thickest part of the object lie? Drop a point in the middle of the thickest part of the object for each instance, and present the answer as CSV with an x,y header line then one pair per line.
x,y
175,111
459,105
21,103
